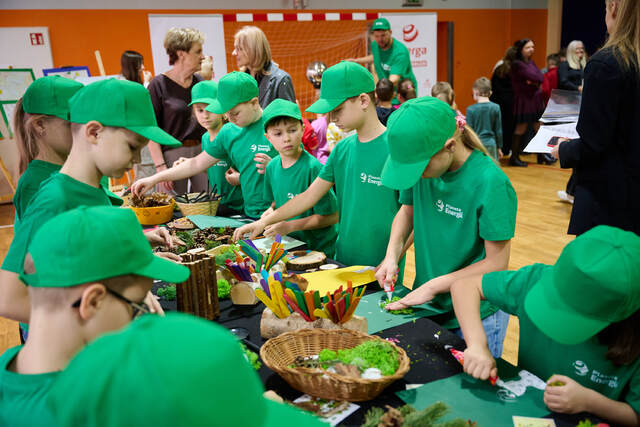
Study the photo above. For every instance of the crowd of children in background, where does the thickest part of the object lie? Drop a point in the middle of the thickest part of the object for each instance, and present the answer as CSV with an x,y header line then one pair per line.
x,y
416,173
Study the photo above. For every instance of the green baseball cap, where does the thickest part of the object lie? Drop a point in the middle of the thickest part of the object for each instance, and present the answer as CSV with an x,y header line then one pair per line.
x,y
233,89
204,92
280,108
415,132
94,243
177,370
344,80
595,282
381,24
119,103
50,95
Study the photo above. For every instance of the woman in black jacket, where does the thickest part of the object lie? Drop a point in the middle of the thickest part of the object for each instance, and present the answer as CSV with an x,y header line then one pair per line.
x,y
571,71
606,157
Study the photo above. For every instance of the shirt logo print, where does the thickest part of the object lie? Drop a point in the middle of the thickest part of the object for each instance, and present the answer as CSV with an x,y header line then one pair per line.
x,y
448,209
370,179
363,177
254,148
440,205
581,368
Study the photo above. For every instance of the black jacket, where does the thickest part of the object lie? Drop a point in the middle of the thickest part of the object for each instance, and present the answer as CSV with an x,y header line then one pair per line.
x,y
276,84
606,157
569,78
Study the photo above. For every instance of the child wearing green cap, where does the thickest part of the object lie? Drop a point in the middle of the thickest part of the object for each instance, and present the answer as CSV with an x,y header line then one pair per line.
x,y
354,166
111,121
578,324
291,173
217,388
91,279
241,142
202,95
459,204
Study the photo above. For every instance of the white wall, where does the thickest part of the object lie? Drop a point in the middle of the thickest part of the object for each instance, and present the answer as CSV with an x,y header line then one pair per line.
x,y
268,4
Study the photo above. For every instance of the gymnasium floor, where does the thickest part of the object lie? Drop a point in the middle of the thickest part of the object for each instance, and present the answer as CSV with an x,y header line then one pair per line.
x,y
540,234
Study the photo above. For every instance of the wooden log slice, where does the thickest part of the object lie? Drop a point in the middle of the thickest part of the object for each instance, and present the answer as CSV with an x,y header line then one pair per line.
x,y
305,260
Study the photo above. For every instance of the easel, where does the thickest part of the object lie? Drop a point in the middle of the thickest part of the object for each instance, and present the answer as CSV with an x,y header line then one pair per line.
x,y
7,176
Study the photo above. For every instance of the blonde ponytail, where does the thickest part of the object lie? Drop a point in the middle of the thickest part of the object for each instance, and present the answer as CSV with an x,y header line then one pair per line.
x,y
470,139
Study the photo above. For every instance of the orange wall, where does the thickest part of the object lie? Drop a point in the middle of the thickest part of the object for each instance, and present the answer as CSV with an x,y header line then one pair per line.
x,y
480,37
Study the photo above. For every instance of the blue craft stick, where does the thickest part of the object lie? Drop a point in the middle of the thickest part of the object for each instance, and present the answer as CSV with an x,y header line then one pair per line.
x,y
278,238
265,275
250,243
265,287
278,276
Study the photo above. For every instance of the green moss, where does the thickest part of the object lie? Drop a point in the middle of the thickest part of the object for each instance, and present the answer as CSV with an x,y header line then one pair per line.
x,y
252,357
369,354
224,289
407,310
167,292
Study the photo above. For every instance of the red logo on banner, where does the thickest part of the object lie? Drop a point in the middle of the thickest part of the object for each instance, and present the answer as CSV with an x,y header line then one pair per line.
x,y
409,33
36,39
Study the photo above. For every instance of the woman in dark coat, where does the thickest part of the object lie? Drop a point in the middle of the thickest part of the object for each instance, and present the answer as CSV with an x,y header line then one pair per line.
x,y
606,157
502,94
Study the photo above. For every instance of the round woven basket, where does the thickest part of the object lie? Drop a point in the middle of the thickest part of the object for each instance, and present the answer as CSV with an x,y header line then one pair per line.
x,y
155,215
201,208
280,352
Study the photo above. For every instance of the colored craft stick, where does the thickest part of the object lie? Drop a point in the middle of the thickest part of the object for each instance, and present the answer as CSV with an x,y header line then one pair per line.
x,y
295,307
270,304
301,302
278,238
316,299
308,297
318,312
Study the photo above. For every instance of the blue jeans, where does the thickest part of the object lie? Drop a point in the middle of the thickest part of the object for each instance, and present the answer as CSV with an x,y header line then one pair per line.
x,y
495,326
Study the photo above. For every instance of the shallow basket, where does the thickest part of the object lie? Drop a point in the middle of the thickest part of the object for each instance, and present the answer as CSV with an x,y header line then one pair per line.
x,y
280,352
201,208
155,215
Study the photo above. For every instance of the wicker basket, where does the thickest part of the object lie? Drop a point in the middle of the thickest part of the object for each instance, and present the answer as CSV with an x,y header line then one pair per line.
x,y
155,215
202,208
280,352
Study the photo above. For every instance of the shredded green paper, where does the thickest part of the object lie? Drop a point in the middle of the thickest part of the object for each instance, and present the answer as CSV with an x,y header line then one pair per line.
x,y
369,354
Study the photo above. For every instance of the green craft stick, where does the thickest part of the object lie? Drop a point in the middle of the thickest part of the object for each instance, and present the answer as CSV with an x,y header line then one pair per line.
x,y
316,299
301,301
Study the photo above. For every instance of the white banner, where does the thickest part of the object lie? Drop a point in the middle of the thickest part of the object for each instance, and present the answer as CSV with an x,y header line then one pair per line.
x,y
419,33
210,25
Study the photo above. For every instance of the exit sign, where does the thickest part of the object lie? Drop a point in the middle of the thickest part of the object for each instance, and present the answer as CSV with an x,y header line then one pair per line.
x,y
36,39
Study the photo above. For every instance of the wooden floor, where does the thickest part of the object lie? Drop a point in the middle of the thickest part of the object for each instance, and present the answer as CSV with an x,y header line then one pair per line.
x,y
541,233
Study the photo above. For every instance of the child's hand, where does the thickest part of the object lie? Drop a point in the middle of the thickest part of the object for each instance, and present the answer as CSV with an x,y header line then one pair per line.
x,y
479,363
267,212
142,186
500,153
416,297
262,160
170,256
232,176
160,237
153,304
180,160
570,398
254,229
386,272
282,228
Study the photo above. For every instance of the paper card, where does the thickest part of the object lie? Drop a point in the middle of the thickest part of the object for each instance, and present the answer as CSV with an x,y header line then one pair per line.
x,y
330,280
288,242
481,402
532,422
206,221
379,319
335,411
548,137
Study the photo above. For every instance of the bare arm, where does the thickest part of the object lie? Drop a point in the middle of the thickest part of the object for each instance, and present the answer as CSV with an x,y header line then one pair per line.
x,y
619,413
395,78
14,297
401,227
156,154
313,222
301,203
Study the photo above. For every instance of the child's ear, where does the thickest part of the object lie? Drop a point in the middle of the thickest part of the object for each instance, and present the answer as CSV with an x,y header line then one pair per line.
x,y
450,145
91,300
365,101
91,131
255,102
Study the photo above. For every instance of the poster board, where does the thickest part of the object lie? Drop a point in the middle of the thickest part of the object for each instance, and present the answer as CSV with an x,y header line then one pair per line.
x,y
419,33
7,109
210,25
25,47
72,73
14,82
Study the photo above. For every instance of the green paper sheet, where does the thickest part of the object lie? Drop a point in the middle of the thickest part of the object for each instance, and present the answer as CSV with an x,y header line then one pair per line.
x,y
379,319
288,242
481,402
206,221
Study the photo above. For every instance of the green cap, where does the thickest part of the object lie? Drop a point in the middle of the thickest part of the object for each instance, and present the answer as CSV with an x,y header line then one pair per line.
x,y
415,132
119,103
50,95
339,82
204,92
381,24
176,370
95,243
595,282
280,108
233,89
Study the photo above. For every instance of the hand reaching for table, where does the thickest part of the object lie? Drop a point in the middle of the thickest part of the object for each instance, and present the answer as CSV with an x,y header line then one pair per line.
x,y
568,398
254,229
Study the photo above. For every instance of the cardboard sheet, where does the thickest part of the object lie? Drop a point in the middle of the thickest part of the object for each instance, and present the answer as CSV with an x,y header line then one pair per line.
x,y
206,221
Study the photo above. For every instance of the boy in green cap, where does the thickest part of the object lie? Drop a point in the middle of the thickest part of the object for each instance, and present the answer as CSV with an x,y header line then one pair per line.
x,y
459,204
578,324
185,383
366,208
111,121
241,142
203,94
91,279
290,174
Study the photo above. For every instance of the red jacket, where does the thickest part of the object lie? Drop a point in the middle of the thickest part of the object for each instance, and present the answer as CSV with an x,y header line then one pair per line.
x,y
550,82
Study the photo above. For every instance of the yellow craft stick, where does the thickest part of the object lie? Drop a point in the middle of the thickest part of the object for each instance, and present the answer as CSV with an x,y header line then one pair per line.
x,y
274,299
318,312
265,299
281,300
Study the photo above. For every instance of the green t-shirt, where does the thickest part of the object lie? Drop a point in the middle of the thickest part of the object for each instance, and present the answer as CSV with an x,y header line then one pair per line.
x,y
452,217
586,362
58,194
231,194
282,185
23,397
37,171
239,146
393,61
486,120
366,207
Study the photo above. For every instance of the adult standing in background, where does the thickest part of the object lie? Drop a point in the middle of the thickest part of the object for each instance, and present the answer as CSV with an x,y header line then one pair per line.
x,y
502,94
253,55
390,57
606,157
571,71
528,102
171,94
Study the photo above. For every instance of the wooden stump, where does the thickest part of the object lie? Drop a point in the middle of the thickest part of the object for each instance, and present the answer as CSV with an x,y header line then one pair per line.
x,y
272,326
305,260
198,295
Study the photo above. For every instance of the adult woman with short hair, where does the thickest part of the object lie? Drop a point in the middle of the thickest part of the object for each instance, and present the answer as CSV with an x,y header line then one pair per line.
x,y
253,55
171,94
